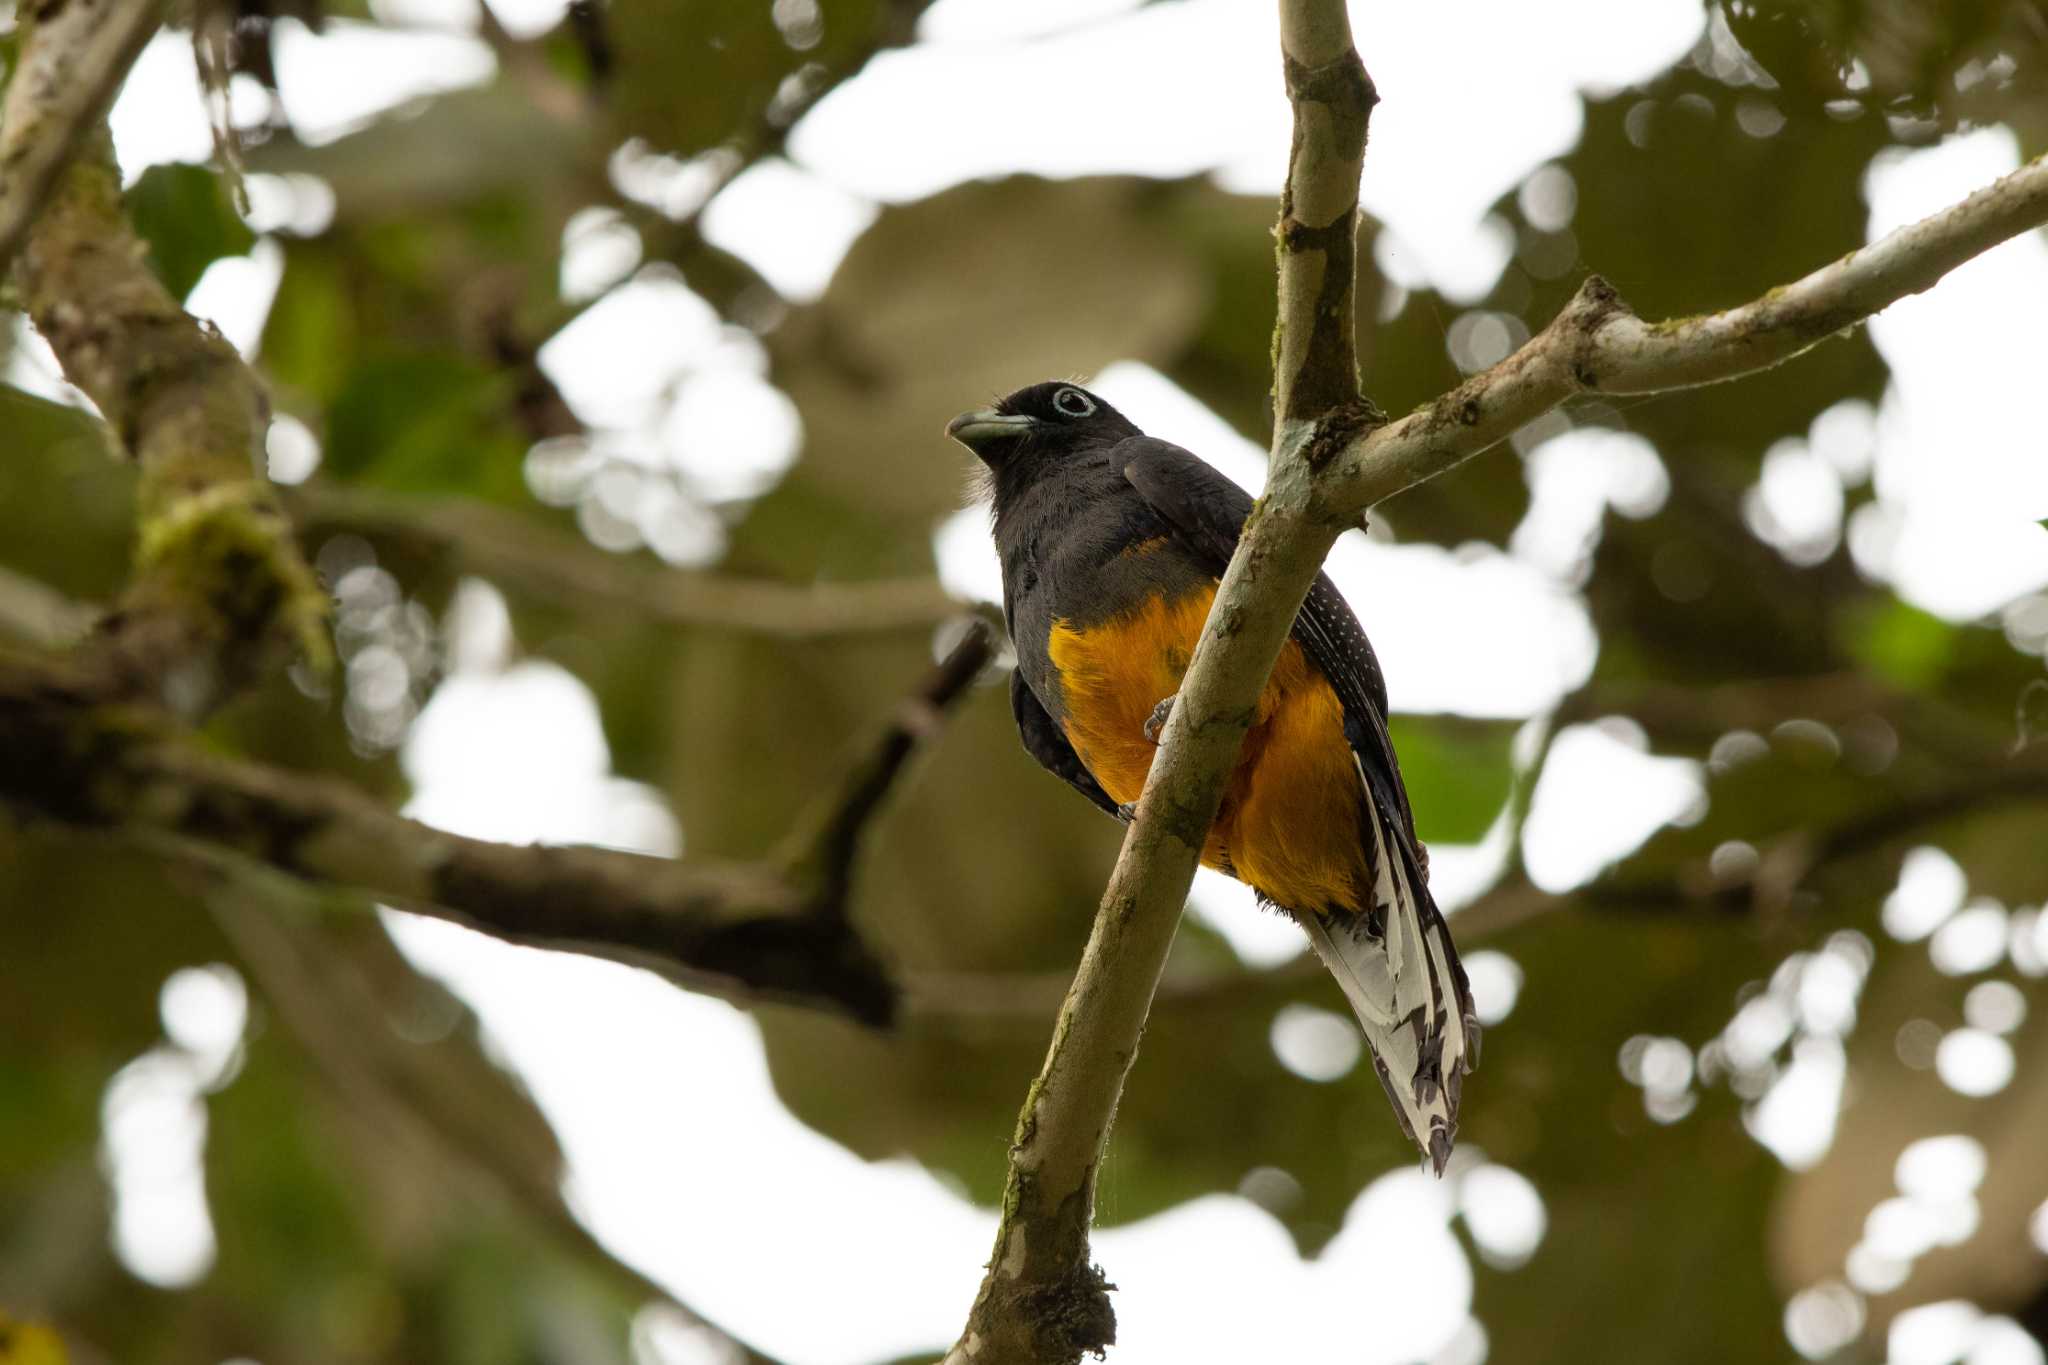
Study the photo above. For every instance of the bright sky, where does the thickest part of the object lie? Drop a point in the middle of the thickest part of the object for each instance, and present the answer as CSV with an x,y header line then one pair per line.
x,y
682,1159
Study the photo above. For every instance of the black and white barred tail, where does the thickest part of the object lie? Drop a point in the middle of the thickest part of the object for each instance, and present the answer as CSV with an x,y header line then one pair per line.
x,y
1401,974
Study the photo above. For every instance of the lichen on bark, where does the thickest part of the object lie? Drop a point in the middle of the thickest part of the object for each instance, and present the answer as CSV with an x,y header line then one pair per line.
x,y
221,591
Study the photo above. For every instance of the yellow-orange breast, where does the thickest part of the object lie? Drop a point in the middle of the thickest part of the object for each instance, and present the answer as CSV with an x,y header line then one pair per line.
x,y
1290,820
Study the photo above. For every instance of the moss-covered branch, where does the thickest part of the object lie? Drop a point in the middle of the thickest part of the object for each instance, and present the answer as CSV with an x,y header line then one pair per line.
x,y
777,930
221,591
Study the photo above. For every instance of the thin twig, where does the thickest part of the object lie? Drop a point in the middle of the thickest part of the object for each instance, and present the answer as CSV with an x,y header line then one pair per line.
x,y
827,849
75,56
1598,345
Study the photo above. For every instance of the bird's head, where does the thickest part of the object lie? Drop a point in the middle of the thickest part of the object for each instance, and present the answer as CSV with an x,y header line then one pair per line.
x,y
1055,417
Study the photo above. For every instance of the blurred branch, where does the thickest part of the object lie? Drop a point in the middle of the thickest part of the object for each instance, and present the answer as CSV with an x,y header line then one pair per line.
x,y
526,62
1704,714
1885,825
1514,901
554,566
741,931
220,591
74,56
1042,1299
1677,716
950,996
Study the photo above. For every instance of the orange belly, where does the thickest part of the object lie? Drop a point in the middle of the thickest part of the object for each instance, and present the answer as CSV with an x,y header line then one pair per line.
x,y
1289,824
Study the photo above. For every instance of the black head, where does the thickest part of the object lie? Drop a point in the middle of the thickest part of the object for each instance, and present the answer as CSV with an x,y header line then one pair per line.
x,y
1053,417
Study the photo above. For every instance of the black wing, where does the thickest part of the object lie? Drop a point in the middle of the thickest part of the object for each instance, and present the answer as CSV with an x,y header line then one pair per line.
x,y
1044,741
1209,511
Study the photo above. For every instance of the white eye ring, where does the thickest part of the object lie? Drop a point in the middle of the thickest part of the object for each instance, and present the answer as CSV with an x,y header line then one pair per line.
x,y
1073,403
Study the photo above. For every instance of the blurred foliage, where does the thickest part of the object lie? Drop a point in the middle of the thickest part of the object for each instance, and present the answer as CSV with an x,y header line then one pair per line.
x,y
30,1343
183,212
1947,61
381,1191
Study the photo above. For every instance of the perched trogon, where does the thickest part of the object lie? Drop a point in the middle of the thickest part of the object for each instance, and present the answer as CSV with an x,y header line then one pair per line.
x,y
1112,545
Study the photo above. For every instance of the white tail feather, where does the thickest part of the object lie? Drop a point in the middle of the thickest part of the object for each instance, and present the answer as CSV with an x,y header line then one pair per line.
x,y
1402,978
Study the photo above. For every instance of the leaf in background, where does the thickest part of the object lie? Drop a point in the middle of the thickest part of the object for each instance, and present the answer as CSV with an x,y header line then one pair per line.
x,y
312,335
1929,57
183,212
29,1343
758,62
1900,642
459,148
67,497
1663,1208
427,422
1459,773
89,931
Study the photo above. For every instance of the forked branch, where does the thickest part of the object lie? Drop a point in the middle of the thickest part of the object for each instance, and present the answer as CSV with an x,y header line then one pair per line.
x,y
1042,1298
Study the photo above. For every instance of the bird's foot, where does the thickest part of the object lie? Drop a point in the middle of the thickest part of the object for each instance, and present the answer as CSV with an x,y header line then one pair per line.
x,y
1127,812
1155,724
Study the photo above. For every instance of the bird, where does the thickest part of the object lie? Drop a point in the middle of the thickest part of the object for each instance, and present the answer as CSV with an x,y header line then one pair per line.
x,y
1112,545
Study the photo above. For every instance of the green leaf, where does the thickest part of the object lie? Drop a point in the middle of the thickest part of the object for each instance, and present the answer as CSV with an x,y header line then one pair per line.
x,y
1901,643
430,421
1458,773
311,336
183,212
67,511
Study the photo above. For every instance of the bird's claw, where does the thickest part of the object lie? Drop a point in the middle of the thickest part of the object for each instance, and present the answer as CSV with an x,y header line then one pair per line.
x,y
1155,724
1126,812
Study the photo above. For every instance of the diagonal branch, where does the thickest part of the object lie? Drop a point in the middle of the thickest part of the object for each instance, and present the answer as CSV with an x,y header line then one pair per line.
x,y
1042,1299
741,930
66,81
1598,345
825,848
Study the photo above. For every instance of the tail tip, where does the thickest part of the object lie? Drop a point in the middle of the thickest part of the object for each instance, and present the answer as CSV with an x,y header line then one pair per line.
x,y
1439,1149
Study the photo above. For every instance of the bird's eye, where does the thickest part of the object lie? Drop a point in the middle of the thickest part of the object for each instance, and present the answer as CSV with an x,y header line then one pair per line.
x,y
1073,403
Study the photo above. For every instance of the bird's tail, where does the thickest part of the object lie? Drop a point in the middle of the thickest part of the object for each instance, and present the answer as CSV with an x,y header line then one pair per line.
x,y
1400,972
